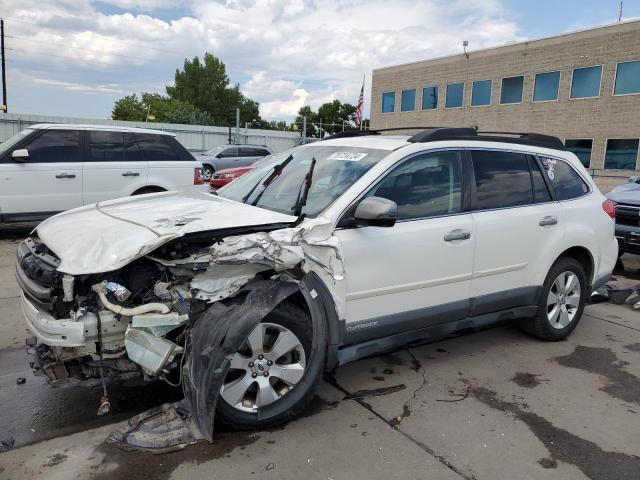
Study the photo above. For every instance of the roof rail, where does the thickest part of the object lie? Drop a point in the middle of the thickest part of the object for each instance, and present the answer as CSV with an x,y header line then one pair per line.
x,y
359,133
533,139
352,133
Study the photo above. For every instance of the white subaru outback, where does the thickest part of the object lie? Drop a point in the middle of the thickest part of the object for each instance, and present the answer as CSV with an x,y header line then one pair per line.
x,y
319,256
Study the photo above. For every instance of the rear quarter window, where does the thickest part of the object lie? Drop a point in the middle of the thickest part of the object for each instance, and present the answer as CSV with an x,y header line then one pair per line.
x,y
157,148
566,182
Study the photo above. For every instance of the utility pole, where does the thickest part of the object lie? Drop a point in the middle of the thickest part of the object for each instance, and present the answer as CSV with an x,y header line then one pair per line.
x,y
237,125
304,130
620,12
4,67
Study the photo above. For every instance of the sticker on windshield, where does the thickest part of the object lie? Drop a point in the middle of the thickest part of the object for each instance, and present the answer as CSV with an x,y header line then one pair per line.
x,y
347,156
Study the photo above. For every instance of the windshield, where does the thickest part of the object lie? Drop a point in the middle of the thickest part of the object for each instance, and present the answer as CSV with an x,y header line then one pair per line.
x,y
9,143
214,151
335,170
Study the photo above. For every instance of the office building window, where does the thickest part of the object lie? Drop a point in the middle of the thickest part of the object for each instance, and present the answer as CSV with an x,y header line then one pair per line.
x,y
481,93
546,86
455,95
430,98
581,148
388,102
585,82
621,154
627,78
511,91
408,101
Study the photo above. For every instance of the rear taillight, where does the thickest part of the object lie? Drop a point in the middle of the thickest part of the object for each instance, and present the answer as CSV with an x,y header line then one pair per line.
x,y
609,207
197,176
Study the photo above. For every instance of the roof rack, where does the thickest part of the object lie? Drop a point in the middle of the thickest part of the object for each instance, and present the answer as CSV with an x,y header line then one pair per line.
x,y
533,139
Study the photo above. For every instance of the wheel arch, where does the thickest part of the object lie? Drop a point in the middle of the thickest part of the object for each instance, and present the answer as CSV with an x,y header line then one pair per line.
x,y
149,189
584,257
320,304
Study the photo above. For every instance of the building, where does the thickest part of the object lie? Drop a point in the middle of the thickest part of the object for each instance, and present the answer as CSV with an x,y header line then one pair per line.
x,y
582,87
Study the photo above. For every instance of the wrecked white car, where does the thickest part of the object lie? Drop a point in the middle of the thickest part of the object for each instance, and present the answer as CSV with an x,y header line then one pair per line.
x,y
322,255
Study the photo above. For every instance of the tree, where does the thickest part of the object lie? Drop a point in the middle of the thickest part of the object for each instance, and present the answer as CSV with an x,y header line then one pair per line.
x,y
336,116
205,85
312,119
129,108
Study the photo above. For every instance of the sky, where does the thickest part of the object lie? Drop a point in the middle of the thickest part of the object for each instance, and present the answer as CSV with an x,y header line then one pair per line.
x,y
77,57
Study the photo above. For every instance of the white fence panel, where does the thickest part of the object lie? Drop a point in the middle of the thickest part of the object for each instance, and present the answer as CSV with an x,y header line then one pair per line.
x,y
195,138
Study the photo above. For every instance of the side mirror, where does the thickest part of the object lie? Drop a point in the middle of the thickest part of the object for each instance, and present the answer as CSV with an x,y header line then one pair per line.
x,y
377,212
634,179
20,155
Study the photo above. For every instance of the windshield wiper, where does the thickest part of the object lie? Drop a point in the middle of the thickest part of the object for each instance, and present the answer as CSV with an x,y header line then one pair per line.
x,y
301,200
277,170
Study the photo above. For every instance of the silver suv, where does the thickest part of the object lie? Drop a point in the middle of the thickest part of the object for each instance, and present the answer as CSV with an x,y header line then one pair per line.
x,y
231,156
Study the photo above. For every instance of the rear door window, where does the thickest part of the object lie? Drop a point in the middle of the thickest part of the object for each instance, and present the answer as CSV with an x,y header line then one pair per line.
x,y
567,183
503,179
246,152
231,152
55,146
132,151
106,146
155,148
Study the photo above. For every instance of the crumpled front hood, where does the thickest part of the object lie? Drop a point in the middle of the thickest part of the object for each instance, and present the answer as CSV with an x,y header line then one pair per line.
x,y
627,193
109,235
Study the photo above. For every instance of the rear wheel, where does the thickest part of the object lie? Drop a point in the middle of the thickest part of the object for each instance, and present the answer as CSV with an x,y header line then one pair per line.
x,y
272,375
207,172
561,301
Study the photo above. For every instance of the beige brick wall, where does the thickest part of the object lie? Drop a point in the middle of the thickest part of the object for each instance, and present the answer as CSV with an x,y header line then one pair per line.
x,y
599,118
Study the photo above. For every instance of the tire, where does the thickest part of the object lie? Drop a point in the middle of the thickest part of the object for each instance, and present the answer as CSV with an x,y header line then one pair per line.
x,y
546,325
207,172
294,319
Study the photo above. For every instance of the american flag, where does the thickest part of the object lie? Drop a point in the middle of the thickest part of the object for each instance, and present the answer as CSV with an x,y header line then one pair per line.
x,y
359,106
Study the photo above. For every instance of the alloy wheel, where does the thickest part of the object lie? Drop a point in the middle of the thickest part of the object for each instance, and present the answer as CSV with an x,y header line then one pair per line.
x,y
563,300
269,364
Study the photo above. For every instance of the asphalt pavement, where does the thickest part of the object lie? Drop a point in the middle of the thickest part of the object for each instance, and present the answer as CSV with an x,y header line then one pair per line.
x,y
491,405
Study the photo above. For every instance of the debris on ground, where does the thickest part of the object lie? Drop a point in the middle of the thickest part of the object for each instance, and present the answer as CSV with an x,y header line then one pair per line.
x,y
21,380
619,296
160,430
270,466
376,392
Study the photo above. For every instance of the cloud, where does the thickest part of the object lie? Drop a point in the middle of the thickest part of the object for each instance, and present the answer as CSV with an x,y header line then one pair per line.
x,y
283,53
80,87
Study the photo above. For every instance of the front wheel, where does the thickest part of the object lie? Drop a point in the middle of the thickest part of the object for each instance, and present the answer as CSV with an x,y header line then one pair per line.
x,y
561,301
271,377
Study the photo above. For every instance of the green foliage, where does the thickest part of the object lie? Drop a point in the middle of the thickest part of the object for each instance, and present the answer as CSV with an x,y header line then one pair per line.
x,y
129,108
201,94
334,116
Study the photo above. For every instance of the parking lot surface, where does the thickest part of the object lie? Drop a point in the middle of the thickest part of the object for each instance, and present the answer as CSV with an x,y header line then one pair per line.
x,y
495,404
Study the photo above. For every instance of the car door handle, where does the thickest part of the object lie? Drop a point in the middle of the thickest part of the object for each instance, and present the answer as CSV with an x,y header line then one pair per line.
x,y
131,174
546,221
65,175
457,235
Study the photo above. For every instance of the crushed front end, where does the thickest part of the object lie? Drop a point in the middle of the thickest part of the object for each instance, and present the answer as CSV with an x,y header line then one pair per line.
x,y
120,325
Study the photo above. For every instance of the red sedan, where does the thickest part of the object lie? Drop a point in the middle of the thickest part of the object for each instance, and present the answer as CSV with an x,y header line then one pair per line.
x,y
222,177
